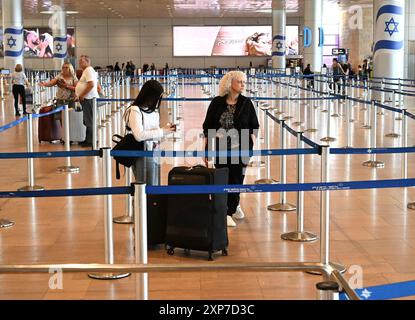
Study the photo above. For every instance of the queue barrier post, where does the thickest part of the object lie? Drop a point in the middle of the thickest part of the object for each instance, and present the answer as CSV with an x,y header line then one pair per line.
x,y
404,144
327,290
313,115
282,205
140,241
373,163
30,161
300,235
128,218
325,214
267,179
394,133
288,116
109,234
349,120
328,138
68,167
298,122
257,163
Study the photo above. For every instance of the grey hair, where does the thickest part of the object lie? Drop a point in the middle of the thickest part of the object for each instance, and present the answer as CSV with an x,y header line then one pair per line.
x,y
225,83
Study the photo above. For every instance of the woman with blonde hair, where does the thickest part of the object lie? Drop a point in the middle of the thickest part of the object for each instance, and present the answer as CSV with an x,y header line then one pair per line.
x,y
19,81
66,81
232,121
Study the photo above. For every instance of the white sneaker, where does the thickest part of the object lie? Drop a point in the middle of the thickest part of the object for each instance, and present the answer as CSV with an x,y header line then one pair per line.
x,y
239,214
230,223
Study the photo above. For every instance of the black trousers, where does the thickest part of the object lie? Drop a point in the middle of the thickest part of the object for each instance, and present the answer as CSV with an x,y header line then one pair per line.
x,y
87,106
236,176
18,90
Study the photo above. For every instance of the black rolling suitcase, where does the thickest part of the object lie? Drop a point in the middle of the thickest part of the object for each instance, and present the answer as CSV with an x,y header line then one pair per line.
x,y
156,219
197,221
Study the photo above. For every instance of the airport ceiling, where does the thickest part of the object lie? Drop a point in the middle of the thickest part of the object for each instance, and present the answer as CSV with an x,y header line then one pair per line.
x,y
120,9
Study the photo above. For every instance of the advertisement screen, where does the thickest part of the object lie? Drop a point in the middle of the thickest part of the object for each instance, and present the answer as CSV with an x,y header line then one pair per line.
x,y
251,41
38,43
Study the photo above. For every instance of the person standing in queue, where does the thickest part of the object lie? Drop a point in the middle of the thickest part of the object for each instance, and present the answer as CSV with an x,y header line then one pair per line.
x,y
142,119
232,122
19,81
86,90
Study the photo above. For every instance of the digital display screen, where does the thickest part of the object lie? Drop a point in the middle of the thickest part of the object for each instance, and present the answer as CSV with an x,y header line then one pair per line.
x,y
251,41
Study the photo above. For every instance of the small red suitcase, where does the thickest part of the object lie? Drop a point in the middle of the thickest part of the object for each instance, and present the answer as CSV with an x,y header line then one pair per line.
x,y
49,127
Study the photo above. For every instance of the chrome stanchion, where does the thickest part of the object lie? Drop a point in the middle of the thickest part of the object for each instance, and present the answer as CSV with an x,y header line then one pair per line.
x,y
300,235
257,163
313,115
328,138
404,144
68,167
327,290
267,179
128,218
288,116
393,134
298,122
30,163
94,124
366,116
373,163
400,102
282,205
109,239
4,223
349,110
140,227
325,214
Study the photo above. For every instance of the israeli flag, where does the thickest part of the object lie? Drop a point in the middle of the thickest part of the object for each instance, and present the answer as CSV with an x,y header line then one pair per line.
x,y
390,22
13,42
278,46
60,47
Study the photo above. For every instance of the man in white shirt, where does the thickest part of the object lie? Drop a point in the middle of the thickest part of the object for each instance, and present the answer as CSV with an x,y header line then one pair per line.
x,y
86,90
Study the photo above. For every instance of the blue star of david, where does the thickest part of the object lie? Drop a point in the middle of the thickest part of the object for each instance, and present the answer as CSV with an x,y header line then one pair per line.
x,y
11,42
391,26
58,47
279,45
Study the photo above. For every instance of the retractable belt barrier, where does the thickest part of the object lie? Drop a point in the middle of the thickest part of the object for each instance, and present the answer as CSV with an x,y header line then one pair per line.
x,y
217,189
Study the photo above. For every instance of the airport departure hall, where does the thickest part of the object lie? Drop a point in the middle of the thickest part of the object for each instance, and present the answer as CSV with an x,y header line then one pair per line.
x,y
207,150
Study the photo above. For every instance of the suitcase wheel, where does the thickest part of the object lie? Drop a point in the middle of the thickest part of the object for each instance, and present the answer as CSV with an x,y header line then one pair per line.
x,y
210,256
187,252
224,252
170,251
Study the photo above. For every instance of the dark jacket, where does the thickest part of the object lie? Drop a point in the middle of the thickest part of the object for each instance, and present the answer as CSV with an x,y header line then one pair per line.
x,y
244,118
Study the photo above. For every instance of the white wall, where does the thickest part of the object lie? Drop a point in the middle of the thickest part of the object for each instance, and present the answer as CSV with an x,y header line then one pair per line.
x,y
143,41
410,40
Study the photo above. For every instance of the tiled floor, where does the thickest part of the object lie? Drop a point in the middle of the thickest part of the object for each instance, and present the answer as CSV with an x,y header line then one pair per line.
x,y
369,228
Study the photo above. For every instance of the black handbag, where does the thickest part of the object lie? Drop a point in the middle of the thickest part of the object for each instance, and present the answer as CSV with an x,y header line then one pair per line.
x,y
126,143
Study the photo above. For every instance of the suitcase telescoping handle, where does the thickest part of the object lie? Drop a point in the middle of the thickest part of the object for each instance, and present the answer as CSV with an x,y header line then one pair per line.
x,y
199,166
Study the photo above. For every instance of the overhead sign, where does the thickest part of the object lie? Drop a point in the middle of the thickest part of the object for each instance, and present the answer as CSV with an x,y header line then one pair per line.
x,y
338,51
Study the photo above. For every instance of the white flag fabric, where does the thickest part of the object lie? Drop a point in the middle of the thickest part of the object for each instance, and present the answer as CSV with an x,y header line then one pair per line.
x,y
13,42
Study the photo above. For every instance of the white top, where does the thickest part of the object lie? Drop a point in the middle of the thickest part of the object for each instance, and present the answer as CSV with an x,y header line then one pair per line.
x,y
19,78
148,130
88,75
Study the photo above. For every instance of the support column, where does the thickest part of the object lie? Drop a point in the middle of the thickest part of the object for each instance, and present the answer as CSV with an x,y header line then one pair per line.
x,y
313,34
60,45
279,36
388,48
13,33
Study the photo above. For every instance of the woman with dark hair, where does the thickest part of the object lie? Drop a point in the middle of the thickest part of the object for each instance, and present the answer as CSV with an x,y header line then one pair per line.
x,y
143,121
